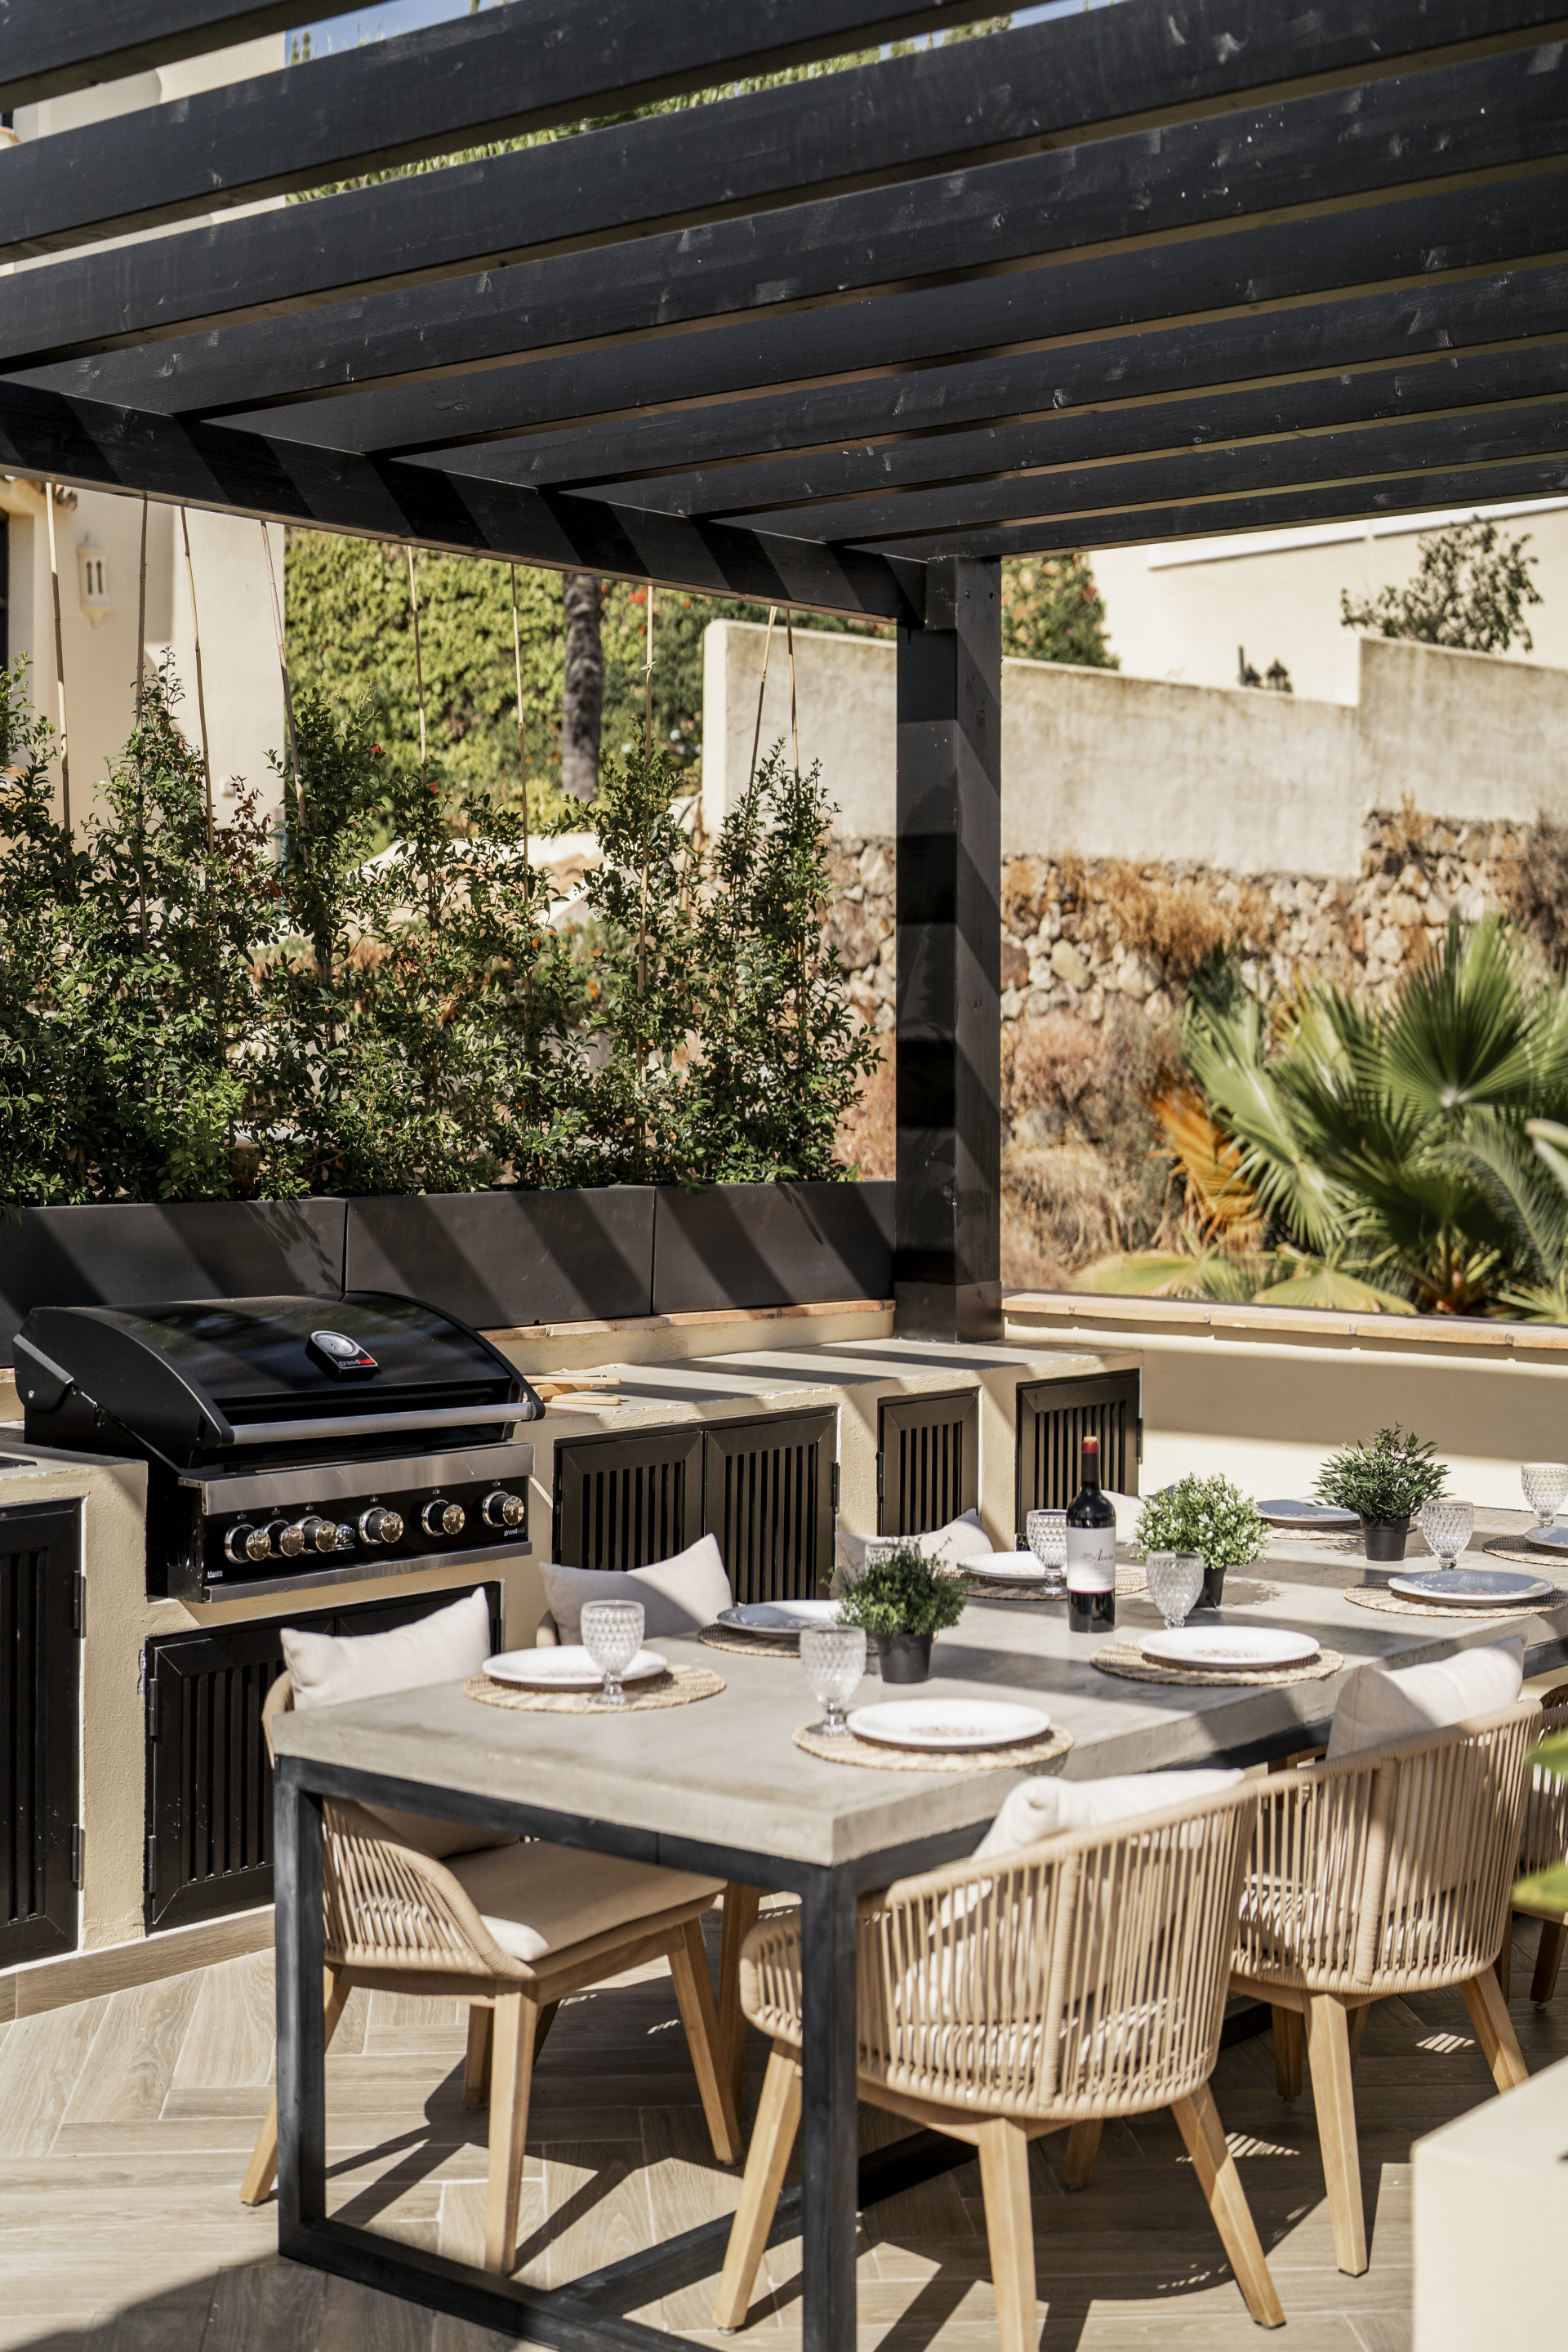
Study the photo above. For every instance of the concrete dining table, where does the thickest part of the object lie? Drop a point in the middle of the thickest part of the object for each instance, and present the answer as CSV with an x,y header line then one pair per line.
x,y
719,1787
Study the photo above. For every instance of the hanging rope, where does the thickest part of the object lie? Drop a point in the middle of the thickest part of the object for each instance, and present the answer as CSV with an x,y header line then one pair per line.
x,y
522,736
647,682
59,661
793,720
762,689
283,674
201,697
141,765
418,664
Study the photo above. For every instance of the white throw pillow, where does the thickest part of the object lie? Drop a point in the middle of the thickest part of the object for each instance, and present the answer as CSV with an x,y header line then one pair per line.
x,y
679,1596
1379,1703
962,1538
1040,1808
330,1669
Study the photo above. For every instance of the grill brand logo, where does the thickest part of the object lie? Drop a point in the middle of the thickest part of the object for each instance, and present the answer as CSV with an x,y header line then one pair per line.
x,y
341,1355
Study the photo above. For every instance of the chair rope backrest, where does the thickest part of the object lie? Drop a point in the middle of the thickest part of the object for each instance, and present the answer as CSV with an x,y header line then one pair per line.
x,y
1543,1840
1086,1972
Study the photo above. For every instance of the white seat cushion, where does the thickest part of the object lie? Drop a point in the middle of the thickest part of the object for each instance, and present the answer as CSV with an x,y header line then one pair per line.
x,y
330,1669
962,1538
679,1596
537,1899
1040,1808
1381,1702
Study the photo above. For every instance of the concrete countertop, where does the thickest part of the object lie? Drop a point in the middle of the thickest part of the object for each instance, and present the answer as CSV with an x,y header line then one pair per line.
x,y
725,1771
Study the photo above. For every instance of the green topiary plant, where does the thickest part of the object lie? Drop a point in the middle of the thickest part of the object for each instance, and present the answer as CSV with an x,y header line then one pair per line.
x,y
1388,1478
905,1593
1208,1516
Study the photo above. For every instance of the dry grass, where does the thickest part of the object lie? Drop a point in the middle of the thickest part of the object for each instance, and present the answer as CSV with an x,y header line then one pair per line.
x,y
1182,923
865,1135
1060,1209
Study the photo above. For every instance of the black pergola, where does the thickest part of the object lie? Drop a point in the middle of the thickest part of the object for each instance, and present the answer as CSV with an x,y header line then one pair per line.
x,y
1125,276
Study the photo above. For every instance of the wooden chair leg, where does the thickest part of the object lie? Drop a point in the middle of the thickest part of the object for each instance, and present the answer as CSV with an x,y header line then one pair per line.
x,y
511,2073
1197,2120
1010,2231
1287,2053
477,2061
1355,2031
1548,1961
1502,1967
547,2016
1494,2030
772,2138
742,1904
262,2170
693,1991
1329,2056
1083,2147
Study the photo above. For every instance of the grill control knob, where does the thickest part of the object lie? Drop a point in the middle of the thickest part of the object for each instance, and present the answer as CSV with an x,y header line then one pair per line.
x,y
345,1536
443,1519
379,1526
244,1542
288,1541
501,1509
318,1535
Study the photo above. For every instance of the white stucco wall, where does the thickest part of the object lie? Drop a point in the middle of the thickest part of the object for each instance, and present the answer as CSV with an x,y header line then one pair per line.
x,y
1114,765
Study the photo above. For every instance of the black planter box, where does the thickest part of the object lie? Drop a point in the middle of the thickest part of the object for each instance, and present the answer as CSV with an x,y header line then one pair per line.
x,y
772,1245
131,1253
497,1260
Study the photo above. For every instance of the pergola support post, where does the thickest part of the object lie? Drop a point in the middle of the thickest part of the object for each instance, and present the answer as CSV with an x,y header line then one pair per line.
x,y
947,1244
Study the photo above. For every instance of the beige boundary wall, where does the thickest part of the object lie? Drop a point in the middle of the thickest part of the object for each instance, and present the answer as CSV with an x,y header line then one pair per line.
x,y
1111,765
1262,1393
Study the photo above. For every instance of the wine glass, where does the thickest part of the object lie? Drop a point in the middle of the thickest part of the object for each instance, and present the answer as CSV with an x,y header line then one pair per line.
x,y
1447,1526
1545,1484
834,1659
612,1636
1046,1535
1175,1581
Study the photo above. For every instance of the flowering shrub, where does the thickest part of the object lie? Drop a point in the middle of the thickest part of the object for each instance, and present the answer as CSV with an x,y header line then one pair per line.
x,y
1208,1516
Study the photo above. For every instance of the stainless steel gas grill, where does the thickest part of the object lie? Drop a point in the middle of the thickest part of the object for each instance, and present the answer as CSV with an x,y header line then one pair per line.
x,y
290,1442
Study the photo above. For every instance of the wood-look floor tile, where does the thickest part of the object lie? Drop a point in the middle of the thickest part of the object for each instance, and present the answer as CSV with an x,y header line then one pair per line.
x,y
264,2305
596,2211
1383,2331
232,2036
356,2319
131,2065
41,2060
151,2328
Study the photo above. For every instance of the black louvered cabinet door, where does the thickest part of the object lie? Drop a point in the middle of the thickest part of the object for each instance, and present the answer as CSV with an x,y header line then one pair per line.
x,y
40,1674
209,1782
768,1497
928,1462
1053,1418
621,1502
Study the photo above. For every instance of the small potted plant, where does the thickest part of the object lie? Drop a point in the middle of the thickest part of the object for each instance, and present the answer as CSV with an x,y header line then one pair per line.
x,y
904,1601
1383,1482
1210,1516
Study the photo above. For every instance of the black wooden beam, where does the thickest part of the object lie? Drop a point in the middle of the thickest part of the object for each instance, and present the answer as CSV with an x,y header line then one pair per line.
x,y
1464,487
98,447
1480,118
1525,428
1411,243
833,480
966,103
531,65
51,47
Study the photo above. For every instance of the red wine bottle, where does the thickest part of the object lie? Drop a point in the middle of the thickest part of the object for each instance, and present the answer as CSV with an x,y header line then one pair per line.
x,y
1091,1551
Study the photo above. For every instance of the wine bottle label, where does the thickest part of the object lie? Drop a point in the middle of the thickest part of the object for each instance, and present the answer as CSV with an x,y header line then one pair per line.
x,y
1092,1559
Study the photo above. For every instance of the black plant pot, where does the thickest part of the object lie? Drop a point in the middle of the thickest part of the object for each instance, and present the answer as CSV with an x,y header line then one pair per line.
x,y
1384,1539
906,1657
1213,1588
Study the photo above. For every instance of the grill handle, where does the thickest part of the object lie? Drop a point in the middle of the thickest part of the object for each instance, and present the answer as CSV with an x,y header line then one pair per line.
x,y
382,1424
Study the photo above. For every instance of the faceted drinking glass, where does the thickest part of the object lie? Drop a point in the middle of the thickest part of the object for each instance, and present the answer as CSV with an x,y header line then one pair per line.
x,y
612,1636
1046,1535
1545,1484
833,1658
1447,1527
1175,1581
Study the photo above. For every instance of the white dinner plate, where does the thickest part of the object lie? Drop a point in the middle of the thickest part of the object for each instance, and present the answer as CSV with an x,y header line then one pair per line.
x,y
1472,1587
1247,1648
1548,1538
779,1620
1009,1567
1324,1519
567,1667
948,1723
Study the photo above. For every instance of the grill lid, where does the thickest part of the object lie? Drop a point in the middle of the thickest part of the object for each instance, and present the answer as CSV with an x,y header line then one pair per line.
x,y
194,1377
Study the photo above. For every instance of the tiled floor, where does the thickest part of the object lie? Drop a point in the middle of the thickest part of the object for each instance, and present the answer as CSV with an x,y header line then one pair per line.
x,y
125,2124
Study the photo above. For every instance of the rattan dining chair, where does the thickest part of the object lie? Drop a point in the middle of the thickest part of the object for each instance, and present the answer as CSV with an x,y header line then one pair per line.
x,y
1387,1871
1543,1841
1057,1986
396,1921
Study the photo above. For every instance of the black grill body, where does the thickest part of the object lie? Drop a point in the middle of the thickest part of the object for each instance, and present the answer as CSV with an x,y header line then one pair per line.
x,y
286,1437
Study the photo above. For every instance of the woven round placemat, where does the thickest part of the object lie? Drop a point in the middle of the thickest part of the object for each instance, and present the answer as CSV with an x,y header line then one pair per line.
x,y
1125,1658
749,1645
1450,1612
1519,1553
676,1686
1130,1583
849,1749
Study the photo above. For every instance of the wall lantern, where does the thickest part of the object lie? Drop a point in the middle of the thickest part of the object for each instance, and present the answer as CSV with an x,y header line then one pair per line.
x,y
92,578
